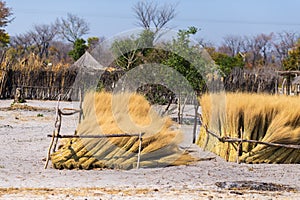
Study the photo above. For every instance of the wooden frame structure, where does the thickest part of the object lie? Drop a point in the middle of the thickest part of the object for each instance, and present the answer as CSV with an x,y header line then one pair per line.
x,y
287,83
58,122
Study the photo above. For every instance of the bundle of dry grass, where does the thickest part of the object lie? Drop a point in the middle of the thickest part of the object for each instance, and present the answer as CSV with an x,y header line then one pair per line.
x,y
105,113
267,118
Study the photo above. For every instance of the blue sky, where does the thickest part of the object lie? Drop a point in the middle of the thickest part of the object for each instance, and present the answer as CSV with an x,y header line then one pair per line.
x,y
215,18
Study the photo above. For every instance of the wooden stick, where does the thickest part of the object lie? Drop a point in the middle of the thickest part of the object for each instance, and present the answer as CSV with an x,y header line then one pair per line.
x,y
57,132
139,153
96,136
80,106
240,146
49,150
232,140
196,106
57,123
71,113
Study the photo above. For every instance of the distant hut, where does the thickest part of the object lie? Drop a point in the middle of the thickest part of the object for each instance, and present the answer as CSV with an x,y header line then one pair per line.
x,y
296,85
88,71
87,63
291,82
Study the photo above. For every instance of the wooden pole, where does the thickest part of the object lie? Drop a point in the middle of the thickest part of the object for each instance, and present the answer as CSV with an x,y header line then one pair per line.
x,y
95,136
55,132
196,107
80,106
288,85
239,148
49,150
57,123
139,153
233,140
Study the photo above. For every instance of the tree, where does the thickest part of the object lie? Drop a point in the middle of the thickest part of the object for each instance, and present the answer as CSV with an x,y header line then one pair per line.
x,y
42,35
284,42
22,43
59,52
72,28
187,59
126,52
227,63
292,62
258,49
232,45
93,42
5,19
79,49
149,14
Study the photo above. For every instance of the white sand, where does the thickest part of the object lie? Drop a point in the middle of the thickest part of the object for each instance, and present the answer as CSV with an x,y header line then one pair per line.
x,y
22,175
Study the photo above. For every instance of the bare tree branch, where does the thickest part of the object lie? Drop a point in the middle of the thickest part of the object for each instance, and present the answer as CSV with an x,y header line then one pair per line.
x,y
148,15
42,35
72,28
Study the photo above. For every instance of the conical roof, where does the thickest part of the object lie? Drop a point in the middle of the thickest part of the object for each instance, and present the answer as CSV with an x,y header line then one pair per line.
x,y
88,63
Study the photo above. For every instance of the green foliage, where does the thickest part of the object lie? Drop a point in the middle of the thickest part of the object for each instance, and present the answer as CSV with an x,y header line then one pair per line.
x,y
180,55
131,51
156,93
40,115
292,62
186,59
4,38
79,49
5,14
146,39
125,51
227,63
93,42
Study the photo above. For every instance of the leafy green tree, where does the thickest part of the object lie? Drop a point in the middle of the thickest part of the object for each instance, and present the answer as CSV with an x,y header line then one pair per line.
x,y
226,63
93,42
79,49
186,59
292,62
5,19
126,52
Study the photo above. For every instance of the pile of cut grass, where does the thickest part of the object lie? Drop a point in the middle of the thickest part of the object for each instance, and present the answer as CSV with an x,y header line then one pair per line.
x,y
262,117
105,113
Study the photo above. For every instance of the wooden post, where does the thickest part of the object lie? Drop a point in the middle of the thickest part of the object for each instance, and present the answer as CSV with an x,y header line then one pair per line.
x,y
288,85
80,105
57,131
49,150
196,107
276,86
57,125
179,110
139,153
239,148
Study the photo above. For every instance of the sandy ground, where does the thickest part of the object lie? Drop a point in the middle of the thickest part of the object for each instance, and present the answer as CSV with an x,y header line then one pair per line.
x,y
24,143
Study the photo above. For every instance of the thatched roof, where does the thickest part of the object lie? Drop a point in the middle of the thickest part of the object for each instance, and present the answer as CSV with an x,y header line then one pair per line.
x,y
88,63
296,80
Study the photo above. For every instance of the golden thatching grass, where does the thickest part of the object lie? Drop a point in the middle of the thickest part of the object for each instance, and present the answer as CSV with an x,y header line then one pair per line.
x,y
260,117
105,113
